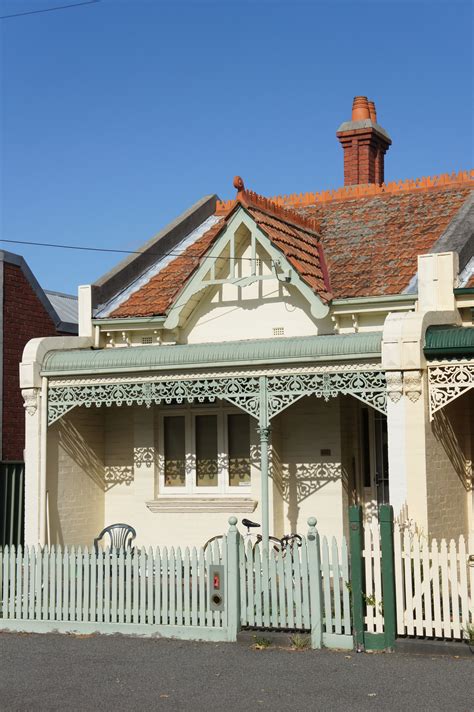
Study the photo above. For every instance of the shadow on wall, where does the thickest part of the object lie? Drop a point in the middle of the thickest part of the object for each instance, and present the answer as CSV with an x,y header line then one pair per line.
x,y
64,438
72,441
444,432
120,474
298,481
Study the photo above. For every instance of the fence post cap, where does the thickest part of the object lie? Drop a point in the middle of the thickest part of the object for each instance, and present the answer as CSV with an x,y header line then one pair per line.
x,y
386,513
312,521
232,521
355,513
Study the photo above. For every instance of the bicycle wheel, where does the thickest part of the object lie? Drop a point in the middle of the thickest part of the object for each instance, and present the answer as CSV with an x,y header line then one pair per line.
x,y
209,541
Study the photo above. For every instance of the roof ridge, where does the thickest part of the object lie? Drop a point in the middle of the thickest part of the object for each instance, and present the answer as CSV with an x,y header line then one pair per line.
x,y
272,206
359,191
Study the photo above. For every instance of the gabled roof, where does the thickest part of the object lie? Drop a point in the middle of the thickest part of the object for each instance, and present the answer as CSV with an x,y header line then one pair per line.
x,y
295,235
372,234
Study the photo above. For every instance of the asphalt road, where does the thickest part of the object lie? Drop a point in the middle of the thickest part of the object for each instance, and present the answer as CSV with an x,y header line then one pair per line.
x,y
61,672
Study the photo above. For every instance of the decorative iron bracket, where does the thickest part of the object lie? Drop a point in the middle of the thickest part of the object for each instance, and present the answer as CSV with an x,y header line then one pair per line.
x,y
244,392
447,382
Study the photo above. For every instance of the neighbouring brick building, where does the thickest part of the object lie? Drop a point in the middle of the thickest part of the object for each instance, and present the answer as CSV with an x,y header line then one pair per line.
x,y
27,312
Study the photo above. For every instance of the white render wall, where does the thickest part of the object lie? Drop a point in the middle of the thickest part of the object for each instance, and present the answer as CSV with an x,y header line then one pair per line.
x,y
313,484
298,435
75,478
233,313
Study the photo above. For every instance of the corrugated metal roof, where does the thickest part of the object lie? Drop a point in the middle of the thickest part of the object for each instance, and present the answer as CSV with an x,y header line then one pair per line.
x,y
229,353
65,306
449,341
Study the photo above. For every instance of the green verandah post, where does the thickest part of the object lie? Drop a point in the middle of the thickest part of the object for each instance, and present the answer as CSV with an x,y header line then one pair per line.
x,y
315,592
264,434
233,580
388,574
356,531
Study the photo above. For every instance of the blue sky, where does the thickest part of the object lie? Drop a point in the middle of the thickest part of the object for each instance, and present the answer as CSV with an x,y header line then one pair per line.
x,y
117,116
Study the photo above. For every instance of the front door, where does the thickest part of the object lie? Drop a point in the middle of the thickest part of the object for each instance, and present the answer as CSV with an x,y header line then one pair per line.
x,y
374,460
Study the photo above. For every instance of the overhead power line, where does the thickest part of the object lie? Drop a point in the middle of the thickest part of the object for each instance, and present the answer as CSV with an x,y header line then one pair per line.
x,y
161,255
49,9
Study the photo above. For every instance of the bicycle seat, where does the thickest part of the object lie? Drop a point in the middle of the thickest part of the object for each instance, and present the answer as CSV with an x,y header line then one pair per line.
x,y
247,523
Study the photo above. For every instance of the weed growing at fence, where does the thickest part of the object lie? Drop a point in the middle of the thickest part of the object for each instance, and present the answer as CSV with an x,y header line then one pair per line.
x,y
300,642
468,631
260,643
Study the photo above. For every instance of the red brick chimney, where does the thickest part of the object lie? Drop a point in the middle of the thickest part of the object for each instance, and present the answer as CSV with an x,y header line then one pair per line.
x,y
365,144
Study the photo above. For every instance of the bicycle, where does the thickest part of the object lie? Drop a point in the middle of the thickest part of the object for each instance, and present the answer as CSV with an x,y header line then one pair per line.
x,y
287,542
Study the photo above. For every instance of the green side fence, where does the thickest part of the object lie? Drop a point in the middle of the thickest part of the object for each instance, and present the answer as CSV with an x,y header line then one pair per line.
x,y
12,498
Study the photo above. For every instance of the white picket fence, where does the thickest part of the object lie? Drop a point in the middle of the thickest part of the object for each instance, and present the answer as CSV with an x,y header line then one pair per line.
x,y
69,589
434,586
374,620
336,598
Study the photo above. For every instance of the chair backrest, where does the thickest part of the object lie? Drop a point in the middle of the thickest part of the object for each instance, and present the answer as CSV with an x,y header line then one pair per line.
x,y
120,536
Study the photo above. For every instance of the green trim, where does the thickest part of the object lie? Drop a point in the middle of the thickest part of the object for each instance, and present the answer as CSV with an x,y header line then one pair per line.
x,y
356,539
388,574
463,290
229,353
374,641
143,629
449,341
338,641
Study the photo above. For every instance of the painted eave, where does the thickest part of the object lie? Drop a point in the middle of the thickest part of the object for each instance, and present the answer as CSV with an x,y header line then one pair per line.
x,y
130,323
378,303
305,349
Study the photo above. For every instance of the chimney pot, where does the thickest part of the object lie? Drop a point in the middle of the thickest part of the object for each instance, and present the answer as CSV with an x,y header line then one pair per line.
x,y
360,108
373,112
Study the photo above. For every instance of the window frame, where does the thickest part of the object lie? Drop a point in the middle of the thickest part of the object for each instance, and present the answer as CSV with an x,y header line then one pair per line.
x,y
190,488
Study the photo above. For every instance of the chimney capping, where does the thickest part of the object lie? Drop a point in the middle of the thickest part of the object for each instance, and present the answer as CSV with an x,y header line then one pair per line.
x,y
363,124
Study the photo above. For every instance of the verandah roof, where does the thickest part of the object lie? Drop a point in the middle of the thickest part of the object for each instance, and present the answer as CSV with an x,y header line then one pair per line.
x,y
449,342
305,349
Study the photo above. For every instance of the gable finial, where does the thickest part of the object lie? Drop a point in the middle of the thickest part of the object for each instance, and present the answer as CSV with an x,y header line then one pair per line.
x,y
239,184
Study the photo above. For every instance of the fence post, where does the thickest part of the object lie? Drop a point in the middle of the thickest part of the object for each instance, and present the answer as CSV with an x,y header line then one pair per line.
x,y
357,574
388,573
315,588
233,580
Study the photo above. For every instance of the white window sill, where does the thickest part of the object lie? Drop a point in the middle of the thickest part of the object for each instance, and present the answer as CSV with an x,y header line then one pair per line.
x,y
202,504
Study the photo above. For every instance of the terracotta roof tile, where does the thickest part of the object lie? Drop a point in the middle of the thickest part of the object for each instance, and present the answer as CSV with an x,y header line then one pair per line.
x,y
294,234
156,296
371,237
371,243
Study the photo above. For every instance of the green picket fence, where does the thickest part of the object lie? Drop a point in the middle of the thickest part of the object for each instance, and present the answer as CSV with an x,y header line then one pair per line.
x,y
172,592
146,591
291,589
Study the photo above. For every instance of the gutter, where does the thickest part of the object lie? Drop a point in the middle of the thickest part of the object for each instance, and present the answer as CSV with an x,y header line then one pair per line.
x,y
218,364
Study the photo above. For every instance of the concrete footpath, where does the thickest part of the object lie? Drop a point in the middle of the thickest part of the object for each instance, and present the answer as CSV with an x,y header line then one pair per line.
x,y
62,672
